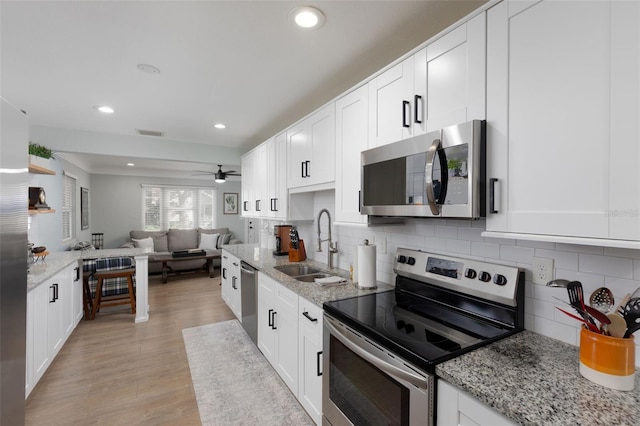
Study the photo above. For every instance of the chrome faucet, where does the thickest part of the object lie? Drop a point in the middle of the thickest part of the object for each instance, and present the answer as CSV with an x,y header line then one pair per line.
x,y
333,247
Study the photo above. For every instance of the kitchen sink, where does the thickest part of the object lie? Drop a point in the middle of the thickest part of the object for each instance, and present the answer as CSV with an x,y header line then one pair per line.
x,y
297,270
311,277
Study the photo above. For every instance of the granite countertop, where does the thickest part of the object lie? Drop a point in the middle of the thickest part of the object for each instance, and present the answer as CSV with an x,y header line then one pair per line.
x,y
264,260
55,262
535,380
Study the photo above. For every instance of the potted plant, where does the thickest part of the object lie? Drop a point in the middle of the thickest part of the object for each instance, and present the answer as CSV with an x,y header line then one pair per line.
x,y
40,155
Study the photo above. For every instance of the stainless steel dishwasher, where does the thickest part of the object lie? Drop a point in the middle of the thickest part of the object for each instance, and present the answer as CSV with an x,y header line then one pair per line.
x,y
249,300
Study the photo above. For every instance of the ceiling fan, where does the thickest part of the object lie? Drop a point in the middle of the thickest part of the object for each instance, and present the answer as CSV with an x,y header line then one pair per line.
x,y
219,176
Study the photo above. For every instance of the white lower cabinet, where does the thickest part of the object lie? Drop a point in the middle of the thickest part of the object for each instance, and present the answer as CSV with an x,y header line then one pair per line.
x,y
278,328
456,407
231,285
310,358
51,318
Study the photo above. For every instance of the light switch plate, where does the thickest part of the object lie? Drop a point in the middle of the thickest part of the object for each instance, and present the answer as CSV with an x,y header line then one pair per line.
x,y
542,270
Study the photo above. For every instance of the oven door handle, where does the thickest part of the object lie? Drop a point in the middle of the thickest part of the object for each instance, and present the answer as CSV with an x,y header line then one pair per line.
x,y
392,370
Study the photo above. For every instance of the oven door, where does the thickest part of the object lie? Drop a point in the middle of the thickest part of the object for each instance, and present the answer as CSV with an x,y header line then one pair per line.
x,y
365,384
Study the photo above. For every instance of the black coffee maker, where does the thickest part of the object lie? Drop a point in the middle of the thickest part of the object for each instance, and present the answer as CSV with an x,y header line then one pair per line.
x,y
283,241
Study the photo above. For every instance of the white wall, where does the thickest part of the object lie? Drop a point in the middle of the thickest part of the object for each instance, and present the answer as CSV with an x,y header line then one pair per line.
x,y
46,229
617,269
116,205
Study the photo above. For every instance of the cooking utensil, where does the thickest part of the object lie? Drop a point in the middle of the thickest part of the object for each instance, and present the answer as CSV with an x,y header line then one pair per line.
x,y
558,283
576,298
631,330
631,313
618,326
573,316
602,318
602,300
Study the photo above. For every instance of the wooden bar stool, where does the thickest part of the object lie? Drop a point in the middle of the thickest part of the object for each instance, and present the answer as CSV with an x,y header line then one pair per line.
x,y
112,269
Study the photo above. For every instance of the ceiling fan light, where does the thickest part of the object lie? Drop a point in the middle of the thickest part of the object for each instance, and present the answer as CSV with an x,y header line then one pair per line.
x,y
219,180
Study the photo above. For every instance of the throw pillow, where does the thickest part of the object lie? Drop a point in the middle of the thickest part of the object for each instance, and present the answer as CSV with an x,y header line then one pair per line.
x,y
208,241
224,239
143,243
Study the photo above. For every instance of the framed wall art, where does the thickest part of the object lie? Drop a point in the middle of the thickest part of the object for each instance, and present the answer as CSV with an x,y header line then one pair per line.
x,y
84,208
230,203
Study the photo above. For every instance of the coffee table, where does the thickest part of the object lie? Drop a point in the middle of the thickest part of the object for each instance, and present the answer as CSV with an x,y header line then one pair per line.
x,y
166,269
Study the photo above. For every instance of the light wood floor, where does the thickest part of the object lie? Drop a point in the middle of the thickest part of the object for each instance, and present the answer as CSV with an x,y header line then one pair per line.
x,y
112,371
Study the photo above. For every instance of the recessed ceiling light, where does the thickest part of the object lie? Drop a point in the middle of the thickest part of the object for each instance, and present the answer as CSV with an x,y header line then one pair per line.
x,y
105,109
307,17
130,164
219,126
149,69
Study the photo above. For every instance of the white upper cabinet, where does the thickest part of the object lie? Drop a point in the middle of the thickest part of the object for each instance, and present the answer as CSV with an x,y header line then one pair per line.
x,y
352,124
563,93
277,177
456,72
249,188
311,149
397,100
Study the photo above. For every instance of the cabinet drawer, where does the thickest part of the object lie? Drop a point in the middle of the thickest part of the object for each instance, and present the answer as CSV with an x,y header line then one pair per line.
x,y
310,316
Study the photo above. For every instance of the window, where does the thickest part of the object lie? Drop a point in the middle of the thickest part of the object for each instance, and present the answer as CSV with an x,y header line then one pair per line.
x,y
68,203
165,207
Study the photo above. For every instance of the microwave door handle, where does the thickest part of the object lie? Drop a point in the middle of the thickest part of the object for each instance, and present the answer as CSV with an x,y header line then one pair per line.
x,y
392,370
428,176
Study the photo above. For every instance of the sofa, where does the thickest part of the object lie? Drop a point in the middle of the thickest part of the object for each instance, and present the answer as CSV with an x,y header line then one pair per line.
x,y
165,242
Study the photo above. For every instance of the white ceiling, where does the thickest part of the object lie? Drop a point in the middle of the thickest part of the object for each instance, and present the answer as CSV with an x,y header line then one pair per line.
x,y
242,63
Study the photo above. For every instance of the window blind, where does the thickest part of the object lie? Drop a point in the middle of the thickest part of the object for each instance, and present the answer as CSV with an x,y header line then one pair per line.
x,y
165,207
68,202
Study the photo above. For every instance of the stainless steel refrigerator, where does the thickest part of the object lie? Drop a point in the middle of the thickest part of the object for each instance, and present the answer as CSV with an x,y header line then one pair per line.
x,y
14,140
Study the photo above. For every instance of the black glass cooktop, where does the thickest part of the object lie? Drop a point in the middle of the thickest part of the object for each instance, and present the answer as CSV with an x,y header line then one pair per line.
x,y
421,331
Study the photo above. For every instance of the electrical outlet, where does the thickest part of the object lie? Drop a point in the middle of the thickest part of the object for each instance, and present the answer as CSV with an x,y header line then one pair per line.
x,y
542,270
382,245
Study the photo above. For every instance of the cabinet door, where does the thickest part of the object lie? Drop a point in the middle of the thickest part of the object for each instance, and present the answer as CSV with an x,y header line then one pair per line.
x,y
556,141
322,131
310,358
267,334
236,288
277,154
67,312
299,154
456,75
352,113
286,323
456,407
55,326
41,355
29,370
260,181
225,267
390,104
78,311
248,188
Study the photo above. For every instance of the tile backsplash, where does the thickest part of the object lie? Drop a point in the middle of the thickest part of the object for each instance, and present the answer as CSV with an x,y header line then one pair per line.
x,y
617,269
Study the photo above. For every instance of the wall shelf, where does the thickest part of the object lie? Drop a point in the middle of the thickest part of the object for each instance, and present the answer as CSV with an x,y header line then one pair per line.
x,y
39,170
41,211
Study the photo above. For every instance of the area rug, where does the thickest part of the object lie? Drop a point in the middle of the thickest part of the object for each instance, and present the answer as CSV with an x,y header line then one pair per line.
x,y
233,381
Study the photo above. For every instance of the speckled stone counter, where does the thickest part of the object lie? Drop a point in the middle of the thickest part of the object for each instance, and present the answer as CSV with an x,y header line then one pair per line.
x,y
534,380
264,261
55,262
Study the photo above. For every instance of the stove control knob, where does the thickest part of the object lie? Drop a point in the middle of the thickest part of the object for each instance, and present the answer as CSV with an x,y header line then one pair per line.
x,y
485,277
500,279
411,261
402,259
409,328
470,273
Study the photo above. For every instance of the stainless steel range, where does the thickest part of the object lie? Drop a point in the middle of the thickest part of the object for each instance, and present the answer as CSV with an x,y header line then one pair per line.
x,y
381,349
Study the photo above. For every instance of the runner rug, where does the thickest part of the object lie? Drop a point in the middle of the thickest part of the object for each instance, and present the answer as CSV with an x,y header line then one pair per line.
x,y
234,382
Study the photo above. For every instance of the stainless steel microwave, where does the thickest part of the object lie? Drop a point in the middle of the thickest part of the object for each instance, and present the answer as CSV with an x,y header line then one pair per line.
x,y
437,174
